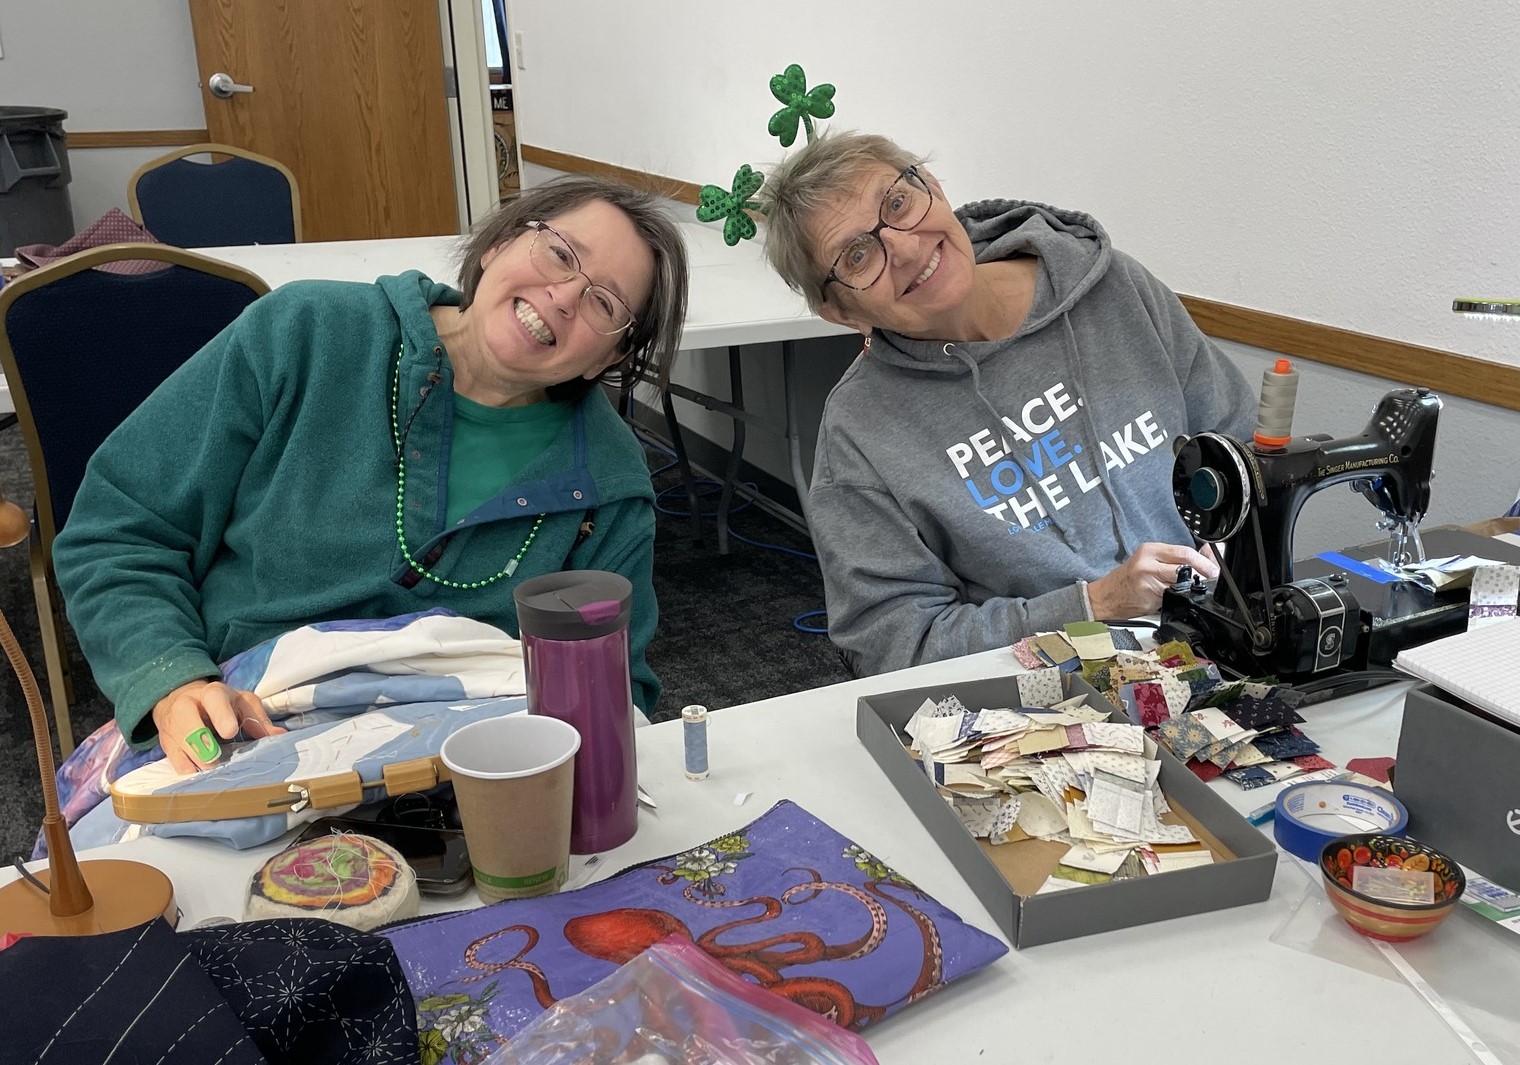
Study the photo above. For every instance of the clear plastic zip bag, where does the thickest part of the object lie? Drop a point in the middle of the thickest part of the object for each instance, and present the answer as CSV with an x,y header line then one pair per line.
x,y
673,1005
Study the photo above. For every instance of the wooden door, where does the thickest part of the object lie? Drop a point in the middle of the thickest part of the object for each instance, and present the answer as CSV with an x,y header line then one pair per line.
x,y
347,93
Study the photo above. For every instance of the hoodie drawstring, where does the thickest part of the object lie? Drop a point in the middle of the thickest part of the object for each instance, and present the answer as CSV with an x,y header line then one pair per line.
x,y
976,385
1092,431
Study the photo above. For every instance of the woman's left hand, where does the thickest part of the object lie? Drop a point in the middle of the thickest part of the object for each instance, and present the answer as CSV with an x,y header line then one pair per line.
x,y
206,705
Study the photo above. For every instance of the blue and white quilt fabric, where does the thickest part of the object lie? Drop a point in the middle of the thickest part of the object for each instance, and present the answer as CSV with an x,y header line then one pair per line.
x,y
354,695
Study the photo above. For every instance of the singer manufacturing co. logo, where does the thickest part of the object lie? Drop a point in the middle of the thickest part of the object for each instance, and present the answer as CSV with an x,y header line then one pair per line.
x,y
1357,464
1513,821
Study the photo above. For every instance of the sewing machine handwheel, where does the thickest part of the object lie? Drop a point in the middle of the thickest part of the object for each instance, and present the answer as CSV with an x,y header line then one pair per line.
x,y
1211,486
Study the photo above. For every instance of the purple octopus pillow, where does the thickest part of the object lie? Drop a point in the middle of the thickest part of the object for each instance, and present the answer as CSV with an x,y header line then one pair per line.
x,y
786,902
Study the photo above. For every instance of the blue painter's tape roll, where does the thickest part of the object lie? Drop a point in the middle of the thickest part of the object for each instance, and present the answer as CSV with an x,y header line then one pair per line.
x,y
1298,808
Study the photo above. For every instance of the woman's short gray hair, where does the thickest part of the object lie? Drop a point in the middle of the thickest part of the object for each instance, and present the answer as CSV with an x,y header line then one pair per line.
x,y
808,181
649,347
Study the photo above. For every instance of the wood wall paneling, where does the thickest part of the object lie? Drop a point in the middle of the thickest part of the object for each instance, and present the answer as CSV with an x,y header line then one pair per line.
x,y
671,188
135,138
1445,372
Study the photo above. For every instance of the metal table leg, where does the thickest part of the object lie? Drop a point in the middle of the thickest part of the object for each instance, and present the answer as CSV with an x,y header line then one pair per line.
x,y
793,433
682,462
736,452
733,407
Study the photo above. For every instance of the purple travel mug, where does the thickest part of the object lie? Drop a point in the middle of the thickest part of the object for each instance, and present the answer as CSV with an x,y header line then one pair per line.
x,y
574,629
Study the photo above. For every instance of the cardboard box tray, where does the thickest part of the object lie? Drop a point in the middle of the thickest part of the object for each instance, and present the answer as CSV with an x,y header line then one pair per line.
x,y
1004,877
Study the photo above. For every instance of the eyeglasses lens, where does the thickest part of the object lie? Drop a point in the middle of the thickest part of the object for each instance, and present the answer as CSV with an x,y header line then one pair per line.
x,y
556,262
902,208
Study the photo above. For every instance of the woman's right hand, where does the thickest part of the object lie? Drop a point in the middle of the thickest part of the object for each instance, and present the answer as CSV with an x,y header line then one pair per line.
x,y
1134,589
202,704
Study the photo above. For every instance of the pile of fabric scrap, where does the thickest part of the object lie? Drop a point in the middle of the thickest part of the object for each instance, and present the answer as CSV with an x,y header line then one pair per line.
x,y
1056,769
1243,730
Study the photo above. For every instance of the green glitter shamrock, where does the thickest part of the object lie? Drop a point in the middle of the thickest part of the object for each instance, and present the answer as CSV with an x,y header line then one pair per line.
x,y
790,87
735,204
732,206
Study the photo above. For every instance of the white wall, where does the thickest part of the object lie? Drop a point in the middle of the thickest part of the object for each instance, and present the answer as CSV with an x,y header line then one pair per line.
x,y
110,65
1341,163
1349,163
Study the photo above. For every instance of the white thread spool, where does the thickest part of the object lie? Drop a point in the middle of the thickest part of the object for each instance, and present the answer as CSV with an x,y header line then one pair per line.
x,y
1274,415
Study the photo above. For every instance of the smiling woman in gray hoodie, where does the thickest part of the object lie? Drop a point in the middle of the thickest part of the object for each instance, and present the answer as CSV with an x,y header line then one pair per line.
x,y
998,459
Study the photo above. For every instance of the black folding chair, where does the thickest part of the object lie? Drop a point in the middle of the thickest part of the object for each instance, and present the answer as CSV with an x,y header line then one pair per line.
x,y
81,348
242,198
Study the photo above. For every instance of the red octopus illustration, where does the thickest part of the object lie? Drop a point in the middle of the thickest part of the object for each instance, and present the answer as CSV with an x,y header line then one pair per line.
x,y
619,935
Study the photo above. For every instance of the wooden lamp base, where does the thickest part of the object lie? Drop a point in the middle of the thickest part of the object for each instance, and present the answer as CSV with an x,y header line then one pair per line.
x,y
126,894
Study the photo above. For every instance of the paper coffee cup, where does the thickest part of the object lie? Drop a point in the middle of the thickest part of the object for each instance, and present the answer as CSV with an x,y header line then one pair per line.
x,y
514,777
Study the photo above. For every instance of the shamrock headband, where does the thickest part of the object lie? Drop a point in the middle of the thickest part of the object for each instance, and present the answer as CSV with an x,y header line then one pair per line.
x,y
799,105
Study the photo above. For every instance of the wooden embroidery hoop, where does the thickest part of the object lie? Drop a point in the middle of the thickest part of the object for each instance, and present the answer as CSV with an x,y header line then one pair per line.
x,y
289,796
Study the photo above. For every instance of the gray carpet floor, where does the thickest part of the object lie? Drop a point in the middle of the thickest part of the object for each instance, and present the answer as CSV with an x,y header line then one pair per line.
x,y
726,634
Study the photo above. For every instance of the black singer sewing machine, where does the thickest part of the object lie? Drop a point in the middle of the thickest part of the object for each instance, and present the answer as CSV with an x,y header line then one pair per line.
x,y
1260,617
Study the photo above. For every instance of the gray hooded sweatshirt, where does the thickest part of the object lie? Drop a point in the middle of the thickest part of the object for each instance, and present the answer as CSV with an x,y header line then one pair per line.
x,y
960,491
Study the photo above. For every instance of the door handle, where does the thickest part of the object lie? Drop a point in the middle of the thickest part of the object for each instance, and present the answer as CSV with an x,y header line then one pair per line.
x,y
223,87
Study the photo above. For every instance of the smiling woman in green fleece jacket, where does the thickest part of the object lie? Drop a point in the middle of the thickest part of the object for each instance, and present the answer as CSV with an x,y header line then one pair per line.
x,y
368,450
998,460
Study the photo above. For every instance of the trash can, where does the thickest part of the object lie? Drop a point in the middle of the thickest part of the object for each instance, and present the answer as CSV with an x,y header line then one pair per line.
x,y
34,178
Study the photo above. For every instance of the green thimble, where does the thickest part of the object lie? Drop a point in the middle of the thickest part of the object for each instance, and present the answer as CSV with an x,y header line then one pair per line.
x,y
202,744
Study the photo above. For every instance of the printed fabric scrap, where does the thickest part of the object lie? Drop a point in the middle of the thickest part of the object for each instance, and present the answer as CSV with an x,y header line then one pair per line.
x,y
136,995
786,902
310,991
413,678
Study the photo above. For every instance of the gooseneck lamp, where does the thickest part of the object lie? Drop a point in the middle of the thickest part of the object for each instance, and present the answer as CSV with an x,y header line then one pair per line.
x,y
68,898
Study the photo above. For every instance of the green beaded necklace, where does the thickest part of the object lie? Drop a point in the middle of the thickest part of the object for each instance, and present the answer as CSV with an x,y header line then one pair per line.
x,y
406,553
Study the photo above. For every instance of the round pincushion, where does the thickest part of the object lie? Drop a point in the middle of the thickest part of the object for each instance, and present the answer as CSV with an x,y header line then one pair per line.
x,y
354,880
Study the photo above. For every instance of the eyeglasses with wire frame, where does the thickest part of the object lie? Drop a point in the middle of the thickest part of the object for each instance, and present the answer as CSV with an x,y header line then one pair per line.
x,y
556,261
864,258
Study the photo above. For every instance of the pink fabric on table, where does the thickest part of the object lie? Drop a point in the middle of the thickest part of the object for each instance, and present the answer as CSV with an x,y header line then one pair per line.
x,y
1311,763
1151,701
1026,655
1376,768
113,227
1205,771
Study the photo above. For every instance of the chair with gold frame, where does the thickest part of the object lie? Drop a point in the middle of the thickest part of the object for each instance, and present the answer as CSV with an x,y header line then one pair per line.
x,y
240,197
82,348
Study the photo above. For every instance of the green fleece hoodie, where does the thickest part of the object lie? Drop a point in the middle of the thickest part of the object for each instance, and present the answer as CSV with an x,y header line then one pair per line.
x,y
256,491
